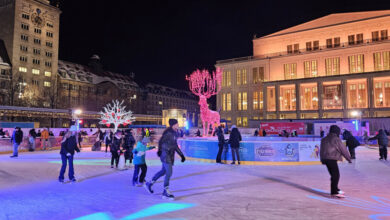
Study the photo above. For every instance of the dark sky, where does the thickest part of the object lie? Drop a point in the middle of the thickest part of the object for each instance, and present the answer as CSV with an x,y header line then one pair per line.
x,y
162,41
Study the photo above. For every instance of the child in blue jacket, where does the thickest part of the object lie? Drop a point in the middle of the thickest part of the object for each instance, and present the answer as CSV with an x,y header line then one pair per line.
x,y
139,161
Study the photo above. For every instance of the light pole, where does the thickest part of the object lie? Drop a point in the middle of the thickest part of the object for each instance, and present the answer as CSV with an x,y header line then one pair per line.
x,y
76,117
357,115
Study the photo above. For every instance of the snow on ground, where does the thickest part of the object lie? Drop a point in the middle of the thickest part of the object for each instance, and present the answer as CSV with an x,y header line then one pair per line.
x,y
29,190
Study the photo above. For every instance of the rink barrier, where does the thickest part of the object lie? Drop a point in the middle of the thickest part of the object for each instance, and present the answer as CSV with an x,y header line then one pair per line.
x,y
261,163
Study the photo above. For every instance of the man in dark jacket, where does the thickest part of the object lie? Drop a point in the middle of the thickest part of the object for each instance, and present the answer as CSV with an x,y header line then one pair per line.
x,y
128,146
351,143
31,139
234,141
16,139
115,147
382,142
167,147
68,146
221,143
331,151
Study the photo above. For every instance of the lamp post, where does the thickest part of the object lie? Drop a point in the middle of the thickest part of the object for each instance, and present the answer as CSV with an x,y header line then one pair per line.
x,y
76,117
357,114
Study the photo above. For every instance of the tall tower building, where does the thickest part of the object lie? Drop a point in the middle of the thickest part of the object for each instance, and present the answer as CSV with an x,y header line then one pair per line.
x,y
30,31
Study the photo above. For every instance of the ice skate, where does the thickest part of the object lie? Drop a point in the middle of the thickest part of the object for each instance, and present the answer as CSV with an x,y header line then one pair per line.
x,y
167,194
339,196
148,187
341,192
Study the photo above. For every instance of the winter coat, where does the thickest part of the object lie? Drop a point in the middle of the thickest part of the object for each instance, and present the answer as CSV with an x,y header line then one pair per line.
x,y
115,144
167,146
45,135
381,137
138,158
333,149
17,136
69,145
108,138
352,142
129,141
32,133
235,138
221,137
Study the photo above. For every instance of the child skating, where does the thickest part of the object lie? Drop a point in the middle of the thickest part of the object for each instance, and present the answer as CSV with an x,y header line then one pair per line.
x,y
139,161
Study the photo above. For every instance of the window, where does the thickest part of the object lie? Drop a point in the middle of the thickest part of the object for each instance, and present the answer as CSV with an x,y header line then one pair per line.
x,y
309,96
23,58
356,63
228,102
271,98
351,39
25,26
336,41
37,31
23,48
290,71
35,82
244,77
24,37
310,68
375,35
258,74
357,93
359,38
289,49
255,100
23,69
332,66
332,98
49,54
46,104
223,102
36,51
48,63
35,71
382,92
316,45
26,16
296,48
242,103
245,121
65,86
37,41
382,61
36,61
47,73
49,34
308,46
238,77
329,43
287,98
239,122
47,84
49,24
384,35
49,44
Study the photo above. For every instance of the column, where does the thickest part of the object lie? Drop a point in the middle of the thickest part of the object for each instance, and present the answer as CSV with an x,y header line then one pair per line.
x,y
320,97
344,97
264,102
277,99
370,96
298,100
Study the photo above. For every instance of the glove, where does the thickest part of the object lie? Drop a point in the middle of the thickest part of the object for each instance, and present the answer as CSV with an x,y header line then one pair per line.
x,y
159,153
183,159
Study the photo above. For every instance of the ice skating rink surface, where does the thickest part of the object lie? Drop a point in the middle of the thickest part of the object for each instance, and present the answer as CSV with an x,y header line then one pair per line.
x,y
29,190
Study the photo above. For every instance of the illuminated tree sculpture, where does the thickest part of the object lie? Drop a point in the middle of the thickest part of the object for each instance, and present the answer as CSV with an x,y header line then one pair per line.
x,y
204,85
116,114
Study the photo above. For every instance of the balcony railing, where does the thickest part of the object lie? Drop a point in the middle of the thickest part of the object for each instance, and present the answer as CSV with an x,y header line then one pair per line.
x,y
304,51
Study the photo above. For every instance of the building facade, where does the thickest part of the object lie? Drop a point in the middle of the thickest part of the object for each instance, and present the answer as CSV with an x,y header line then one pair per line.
x,y
337,66
30,31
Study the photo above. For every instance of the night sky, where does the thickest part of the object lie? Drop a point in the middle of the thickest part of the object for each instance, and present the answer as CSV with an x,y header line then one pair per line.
x,y
162,41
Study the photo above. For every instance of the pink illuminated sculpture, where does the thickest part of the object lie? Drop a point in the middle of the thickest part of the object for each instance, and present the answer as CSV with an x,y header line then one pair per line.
x,y
116,114
204,86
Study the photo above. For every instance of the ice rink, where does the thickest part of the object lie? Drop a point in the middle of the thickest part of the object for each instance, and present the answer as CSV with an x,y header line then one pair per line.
x,y
29,190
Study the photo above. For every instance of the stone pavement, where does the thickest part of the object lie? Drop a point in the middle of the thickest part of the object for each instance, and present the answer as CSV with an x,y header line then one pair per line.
x,y
29,190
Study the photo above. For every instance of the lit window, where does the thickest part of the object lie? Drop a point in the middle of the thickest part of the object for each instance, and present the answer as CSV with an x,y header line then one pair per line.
x,y
47,73
35,71
160,102
47,84
23,69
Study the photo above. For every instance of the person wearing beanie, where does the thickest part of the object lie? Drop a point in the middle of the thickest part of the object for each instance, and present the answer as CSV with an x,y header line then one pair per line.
x,y
331,151
68,146
167,146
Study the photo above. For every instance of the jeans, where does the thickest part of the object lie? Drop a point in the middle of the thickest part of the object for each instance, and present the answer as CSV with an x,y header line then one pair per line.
x,y
333,170
220,149
66,159
235,151
383,152
114,156
144,169
15,145
165,170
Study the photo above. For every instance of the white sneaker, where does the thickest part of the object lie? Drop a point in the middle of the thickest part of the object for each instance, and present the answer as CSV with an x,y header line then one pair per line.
x,y
340,196
341,192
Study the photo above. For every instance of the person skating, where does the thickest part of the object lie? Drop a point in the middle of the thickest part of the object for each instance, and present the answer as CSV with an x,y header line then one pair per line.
x,y
234,141
115,148
351,143
382,142
221,143
68,146
139,161
167,147
16,139
331,151
128,146
31,139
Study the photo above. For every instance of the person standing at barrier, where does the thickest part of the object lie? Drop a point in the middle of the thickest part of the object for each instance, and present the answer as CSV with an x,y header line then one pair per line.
x,y
234,141
128,146
68,146
382,142
45,139
16,139
31,139
331,151
167,147
108,138
221,143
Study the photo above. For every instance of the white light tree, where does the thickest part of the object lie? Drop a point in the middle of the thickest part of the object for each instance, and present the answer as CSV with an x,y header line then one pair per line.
x,y
116,114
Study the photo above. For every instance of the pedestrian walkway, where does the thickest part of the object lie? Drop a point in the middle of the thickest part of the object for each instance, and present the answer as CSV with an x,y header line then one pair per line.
x,y
29,190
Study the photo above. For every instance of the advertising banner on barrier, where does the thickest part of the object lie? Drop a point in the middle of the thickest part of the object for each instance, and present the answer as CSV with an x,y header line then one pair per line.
x,y
279,151
309,151
278,127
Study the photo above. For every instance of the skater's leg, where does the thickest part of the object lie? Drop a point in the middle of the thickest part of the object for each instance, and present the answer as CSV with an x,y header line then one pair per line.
x,y
144,169
168,174
385,152
159,174
112,158
135,175
106,147
380,152
220,148
238,154
15,146
333,170
233,154
63,167
71,170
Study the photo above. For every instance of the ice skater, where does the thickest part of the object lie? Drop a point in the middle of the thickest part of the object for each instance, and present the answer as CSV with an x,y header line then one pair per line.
x,y
234,141
139,161
331,151
68,146
115,147
128,146
382,142
16,139
167,147
221,143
